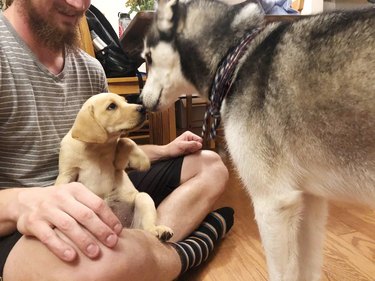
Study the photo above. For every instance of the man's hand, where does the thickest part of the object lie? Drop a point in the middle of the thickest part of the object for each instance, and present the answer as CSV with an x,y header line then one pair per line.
x,y
186,143
71,209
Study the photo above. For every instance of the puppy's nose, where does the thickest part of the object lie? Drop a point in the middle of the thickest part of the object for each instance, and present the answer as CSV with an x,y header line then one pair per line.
x,y
141,109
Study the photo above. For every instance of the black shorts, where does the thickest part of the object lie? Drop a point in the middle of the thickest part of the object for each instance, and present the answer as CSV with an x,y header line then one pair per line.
x,y
159,182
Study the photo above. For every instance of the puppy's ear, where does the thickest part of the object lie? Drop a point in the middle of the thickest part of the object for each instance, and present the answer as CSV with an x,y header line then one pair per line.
x,y
168,15
87,129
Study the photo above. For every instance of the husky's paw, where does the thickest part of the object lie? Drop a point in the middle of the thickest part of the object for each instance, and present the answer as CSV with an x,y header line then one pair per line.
x,y
164,233
139,161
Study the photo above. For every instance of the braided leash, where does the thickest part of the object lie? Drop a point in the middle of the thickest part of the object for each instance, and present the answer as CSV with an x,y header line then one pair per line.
x,y
223,82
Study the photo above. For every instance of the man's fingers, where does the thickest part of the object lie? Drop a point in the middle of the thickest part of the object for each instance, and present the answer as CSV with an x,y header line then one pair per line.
x,y
98,206
191,146
93,221
192,137
48,237
75,232
197,139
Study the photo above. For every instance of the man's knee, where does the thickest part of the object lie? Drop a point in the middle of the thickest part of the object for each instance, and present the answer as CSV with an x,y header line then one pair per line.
x,y
207,166
215,165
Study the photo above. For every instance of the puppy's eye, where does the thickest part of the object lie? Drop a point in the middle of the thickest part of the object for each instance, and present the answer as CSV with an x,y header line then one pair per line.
x,y
112,106
148,58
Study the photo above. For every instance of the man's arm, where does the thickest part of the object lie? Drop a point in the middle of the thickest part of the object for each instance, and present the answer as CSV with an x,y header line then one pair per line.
x,y
186,143
7,224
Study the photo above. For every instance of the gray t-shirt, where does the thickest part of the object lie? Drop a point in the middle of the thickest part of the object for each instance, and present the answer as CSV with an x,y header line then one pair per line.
x,y
37,108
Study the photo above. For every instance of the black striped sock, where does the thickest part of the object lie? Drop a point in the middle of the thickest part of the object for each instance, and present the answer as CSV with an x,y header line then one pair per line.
x,y
196,248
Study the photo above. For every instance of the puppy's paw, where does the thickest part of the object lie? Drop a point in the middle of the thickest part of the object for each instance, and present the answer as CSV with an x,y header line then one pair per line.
x,y
164,233
139,161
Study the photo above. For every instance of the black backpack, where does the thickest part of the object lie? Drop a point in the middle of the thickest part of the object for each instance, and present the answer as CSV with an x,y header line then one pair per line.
x,y
112,57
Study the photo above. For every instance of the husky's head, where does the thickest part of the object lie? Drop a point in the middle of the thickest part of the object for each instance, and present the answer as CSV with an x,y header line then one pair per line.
x,y
186,43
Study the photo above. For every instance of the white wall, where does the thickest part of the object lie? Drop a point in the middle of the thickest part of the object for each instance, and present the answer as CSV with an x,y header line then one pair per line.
x,y
312,7
111,8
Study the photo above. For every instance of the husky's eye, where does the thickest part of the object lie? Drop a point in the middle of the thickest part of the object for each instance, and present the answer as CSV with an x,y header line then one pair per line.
x,y
112,106
148,58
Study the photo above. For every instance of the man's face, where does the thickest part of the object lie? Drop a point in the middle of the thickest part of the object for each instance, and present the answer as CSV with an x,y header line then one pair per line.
x,y
55,22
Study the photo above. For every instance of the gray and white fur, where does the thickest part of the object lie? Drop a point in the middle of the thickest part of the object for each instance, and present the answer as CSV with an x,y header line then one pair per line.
x,y
299,120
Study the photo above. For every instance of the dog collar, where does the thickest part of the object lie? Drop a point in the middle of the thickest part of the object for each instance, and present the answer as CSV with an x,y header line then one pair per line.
x,y
223,82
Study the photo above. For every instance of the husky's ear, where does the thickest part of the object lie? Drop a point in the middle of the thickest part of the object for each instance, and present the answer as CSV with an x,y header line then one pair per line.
x,y
247,15
87,129
167,16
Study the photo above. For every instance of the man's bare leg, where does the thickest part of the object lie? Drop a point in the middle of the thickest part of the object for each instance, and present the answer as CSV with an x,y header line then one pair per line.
x,y
137,256
203,180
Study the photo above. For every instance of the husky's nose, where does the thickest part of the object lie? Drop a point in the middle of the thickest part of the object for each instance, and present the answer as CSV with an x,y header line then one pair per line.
x,y
140,99
141,109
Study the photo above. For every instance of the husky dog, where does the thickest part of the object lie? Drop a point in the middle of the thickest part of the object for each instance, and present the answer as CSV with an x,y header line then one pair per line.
x,y
298,111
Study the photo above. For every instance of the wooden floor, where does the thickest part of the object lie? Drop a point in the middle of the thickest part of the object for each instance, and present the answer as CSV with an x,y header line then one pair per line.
x,y
349,253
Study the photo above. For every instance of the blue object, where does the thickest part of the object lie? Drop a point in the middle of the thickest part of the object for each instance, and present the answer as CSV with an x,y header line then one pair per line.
x,y
278,7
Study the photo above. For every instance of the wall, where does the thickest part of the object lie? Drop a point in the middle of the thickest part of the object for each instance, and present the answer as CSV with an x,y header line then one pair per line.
x,y
312,7
345,4
111,8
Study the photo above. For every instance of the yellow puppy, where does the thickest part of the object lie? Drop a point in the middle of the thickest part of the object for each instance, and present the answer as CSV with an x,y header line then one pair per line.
x,y
94,154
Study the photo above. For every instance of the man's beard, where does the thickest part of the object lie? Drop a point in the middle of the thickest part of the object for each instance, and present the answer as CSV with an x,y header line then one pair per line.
x,y
49,34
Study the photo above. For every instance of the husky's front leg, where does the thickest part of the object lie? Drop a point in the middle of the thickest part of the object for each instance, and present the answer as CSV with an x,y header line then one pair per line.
x,y
145,217
278,217
311,238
